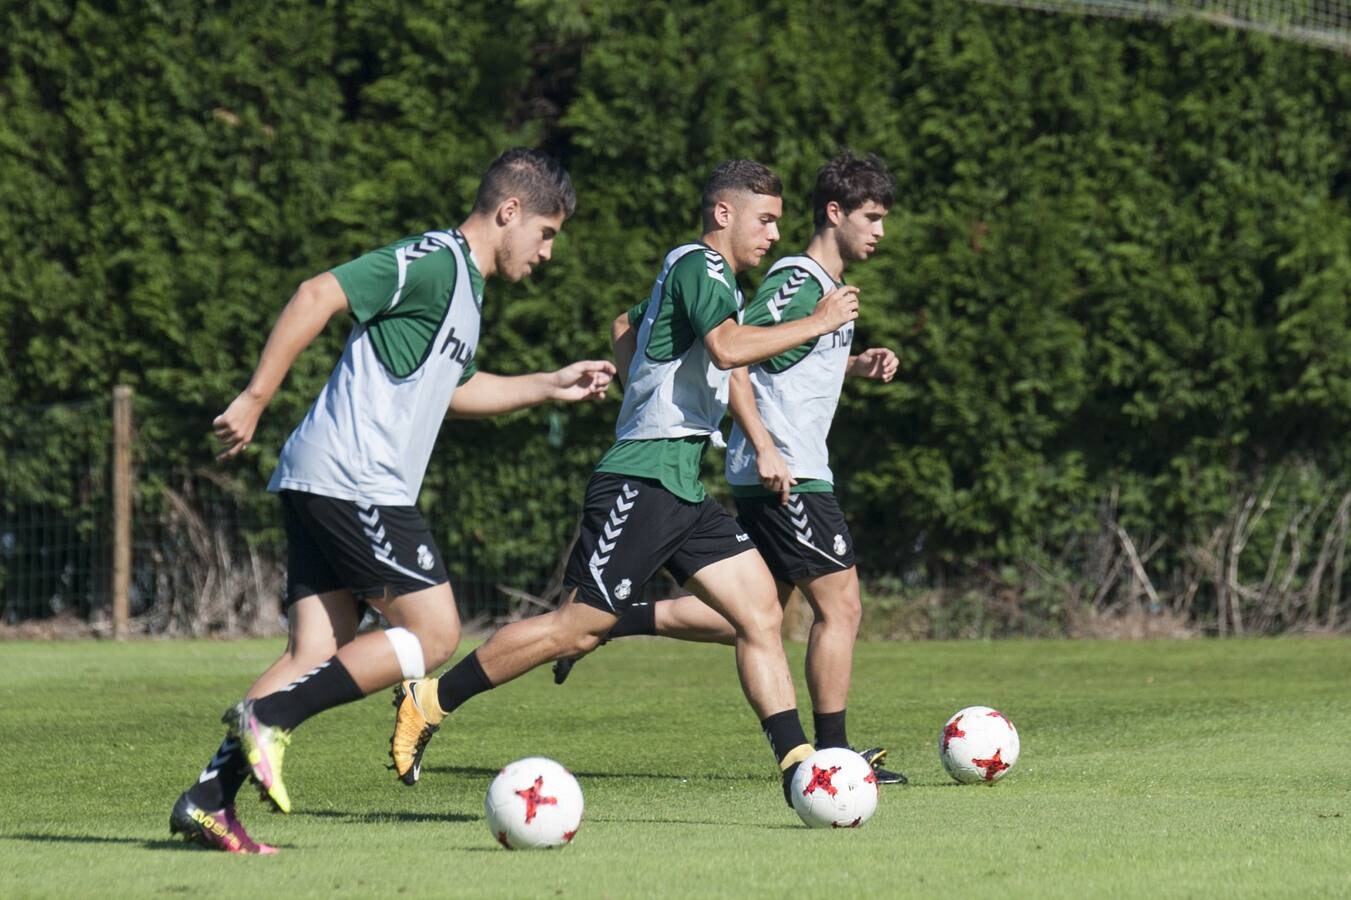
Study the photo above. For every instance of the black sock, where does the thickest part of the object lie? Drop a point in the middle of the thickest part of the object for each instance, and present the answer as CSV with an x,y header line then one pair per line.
x,y
465,679
327,685
784,730
222,778
641,618
829,730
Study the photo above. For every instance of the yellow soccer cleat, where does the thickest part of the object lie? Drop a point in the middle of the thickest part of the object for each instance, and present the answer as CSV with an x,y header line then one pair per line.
x,y
417,717
264,748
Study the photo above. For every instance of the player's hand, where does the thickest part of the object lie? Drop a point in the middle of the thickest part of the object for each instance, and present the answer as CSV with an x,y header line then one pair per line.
x,y
774,474
585,380
837,308
876,362
234,428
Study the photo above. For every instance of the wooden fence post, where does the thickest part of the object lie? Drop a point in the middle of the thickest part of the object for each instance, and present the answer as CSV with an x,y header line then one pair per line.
x,y
121,509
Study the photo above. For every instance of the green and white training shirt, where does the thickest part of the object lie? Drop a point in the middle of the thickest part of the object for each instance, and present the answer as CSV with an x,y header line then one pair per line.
x,y
797,391
369,434
675,397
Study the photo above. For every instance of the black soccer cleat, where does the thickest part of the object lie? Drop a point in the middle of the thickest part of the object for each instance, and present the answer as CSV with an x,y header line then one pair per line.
x,y
563,668
875,756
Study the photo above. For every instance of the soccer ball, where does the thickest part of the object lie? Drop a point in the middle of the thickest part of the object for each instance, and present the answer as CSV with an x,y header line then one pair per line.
x,y
834,788
978,745
533,803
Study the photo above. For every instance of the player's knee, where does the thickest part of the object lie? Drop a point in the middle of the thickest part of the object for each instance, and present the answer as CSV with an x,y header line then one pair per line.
x,y
439,645
845,613
308,653
760,620
423,649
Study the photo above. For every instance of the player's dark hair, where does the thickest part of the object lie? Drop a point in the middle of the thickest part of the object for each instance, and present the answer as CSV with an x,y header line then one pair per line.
x,y
532,176
743,175
851,181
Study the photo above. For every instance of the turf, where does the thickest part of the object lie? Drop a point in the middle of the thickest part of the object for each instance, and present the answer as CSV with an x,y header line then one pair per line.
x,y
1184,769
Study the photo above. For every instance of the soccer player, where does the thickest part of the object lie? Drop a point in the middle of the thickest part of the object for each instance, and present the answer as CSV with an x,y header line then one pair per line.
x,y
349,475
777,463
644,506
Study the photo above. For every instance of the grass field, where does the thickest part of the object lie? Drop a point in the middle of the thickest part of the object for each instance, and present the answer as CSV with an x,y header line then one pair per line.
x,y
1184,769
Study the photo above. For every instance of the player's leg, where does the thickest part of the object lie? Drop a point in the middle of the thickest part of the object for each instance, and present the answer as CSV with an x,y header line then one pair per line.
x,y
513,650
380,552
836,610
319,625
423,634
684,618
690,619
720,566
624,535
741,591
421,705
812,546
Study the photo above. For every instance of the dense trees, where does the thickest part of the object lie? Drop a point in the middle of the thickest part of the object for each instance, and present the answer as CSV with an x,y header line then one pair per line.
x,y
1116,271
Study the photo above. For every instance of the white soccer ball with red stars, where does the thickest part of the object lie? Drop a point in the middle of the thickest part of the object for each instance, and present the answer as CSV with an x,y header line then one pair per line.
x,y
534,803
978,745
834,788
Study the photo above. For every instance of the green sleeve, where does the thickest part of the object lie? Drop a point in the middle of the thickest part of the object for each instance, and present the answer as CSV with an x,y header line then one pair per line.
x,y
371,281
787,295
790,294
708,298
638,310
470,370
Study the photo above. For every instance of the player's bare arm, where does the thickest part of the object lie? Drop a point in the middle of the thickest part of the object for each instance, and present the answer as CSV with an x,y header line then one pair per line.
x,y
314,303
624,340
486,395
770,464
732,344
878,363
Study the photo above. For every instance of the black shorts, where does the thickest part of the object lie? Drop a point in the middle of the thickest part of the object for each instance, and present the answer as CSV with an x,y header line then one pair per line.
x,y
333,544
803,539
631,527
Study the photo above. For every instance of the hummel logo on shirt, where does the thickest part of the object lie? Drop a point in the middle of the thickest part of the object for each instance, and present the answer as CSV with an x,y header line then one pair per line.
x,y
779,302
715,266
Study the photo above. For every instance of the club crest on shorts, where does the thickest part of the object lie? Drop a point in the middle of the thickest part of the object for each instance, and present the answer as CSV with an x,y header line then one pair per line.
x,y
840,546
424,558
623,589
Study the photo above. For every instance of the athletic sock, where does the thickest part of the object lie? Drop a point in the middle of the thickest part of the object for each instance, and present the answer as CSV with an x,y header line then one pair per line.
x,y
641,618
465,679
829,729
786,738
222,778
327,685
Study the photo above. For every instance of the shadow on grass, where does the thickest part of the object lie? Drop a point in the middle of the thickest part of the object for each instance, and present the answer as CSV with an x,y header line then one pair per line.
x,y
378,817
163,844
484,772
791,824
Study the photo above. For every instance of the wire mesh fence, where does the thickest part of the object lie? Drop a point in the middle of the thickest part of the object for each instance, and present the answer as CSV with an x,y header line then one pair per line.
x,y
207,550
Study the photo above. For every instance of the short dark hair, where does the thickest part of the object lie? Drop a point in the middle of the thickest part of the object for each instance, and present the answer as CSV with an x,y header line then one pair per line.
x,y
738,175
851,181
532,176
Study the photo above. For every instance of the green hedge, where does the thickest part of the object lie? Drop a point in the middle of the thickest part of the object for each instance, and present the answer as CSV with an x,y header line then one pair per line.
x,y
1115,273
